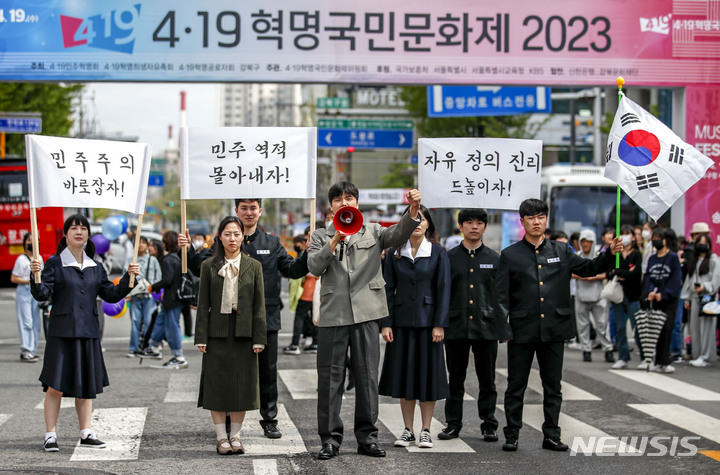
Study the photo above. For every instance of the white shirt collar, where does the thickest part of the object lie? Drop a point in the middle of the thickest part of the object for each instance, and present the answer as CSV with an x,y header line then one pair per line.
x,y
68,260
424,250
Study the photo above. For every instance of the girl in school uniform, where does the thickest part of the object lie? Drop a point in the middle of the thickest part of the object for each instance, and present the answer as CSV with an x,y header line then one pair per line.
x,y
73,363
230,330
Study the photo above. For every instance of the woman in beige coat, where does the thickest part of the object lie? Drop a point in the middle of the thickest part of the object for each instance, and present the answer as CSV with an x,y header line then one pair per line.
x,y
230,330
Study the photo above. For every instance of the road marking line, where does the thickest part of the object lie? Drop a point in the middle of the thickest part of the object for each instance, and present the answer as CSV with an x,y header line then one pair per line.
x,y
4,418
683,417
256,443
571,428
669,385
302,383
265,466
121,428
183,387
65,403
569,392
391,416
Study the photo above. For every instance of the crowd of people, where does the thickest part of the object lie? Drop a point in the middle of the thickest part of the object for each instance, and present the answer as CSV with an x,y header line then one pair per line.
x,y
431,305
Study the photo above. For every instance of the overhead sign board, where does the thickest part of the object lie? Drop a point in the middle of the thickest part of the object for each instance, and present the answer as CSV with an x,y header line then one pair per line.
x,y
378,124
333,102
473,101
21,125
550,42
365,139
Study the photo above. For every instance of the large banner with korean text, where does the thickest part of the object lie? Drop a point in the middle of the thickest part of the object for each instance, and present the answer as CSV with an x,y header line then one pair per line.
x,y
543,42
82,173
251,162
702,131
478,172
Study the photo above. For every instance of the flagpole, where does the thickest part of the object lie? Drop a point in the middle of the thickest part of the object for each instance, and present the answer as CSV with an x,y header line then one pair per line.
x,y
620,81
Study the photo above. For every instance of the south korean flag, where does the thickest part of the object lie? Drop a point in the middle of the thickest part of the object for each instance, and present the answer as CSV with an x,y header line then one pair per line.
x,y
648,161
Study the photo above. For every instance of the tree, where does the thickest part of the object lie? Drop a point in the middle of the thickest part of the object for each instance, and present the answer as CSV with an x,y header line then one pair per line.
x,y
53,101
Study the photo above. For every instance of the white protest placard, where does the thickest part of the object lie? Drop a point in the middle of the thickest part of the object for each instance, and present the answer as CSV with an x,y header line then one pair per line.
x,y
81,173
251,162
478,172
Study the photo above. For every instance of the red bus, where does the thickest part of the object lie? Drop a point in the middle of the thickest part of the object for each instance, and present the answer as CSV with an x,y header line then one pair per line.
x,y
15,217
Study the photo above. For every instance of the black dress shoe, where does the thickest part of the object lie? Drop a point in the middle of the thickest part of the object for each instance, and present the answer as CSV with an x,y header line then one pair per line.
x,y
510,445
328,451
371,449
554,443
271,431
609,357
449,433
489,435
587,356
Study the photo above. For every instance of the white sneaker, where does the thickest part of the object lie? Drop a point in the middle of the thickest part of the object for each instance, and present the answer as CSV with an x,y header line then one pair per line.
x,y
405,439
643,365
699,363
619,364
574,346
663,368
425,441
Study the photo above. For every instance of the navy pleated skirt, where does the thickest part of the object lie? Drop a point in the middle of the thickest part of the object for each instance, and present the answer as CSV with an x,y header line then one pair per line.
x,y
74,366
414,366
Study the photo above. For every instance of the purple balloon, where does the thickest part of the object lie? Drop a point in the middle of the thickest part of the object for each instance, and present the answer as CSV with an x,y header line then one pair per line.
x,y
112,309
102,245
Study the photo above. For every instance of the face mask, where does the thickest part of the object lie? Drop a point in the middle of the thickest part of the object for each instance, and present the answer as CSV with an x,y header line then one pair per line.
x,y
198,243
626,240
658,244
702,248
646,235
29,247
298,249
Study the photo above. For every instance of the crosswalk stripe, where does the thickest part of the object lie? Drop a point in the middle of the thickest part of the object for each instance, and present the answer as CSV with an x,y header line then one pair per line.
x,y
569,392
669,385
265,467
683,417
391,416
183,387
121,428
571,428
65,403
256,443
4,418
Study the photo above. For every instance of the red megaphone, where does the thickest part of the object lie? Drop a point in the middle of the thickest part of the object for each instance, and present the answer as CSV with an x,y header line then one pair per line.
x,y
348,220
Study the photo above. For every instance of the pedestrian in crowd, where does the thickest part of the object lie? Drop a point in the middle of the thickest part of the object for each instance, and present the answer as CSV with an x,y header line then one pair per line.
x,y
454,239
417,285
474,324
275,262
156,250
28,309
701,285
533,291
647,231
629,274
73,364
167,323
200,242
589,304
350,310
575,241
142,305
302,293
230,332
559,236
662,284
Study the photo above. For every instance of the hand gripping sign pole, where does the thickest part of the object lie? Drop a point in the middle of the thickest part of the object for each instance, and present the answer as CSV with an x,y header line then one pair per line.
x,y
137,246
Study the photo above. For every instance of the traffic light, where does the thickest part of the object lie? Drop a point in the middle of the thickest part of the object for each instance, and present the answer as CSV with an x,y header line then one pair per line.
x,y
171,203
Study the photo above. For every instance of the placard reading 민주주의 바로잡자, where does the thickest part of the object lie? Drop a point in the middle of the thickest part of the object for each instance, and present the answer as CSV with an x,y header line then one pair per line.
x,y
83,173
478,172
257,162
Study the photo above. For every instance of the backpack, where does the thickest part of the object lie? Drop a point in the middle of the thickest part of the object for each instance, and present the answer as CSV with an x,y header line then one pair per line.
x,y
187,292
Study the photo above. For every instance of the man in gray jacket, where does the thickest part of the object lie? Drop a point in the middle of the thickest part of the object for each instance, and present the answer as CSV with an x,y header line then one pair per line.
x,y
352,300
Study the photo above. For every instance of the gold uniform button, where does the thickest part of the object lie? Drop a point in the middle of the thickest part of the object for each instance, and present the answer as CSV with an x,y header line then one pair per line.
x,y
542,299
539,266
471,302
472,286
472,270
537,252
471,317
542,315
541,283
472,256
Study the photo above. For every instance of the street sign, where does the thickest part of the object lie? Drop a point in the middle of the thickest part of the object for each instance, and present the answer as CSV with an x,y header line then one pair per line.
x,y
156,180
333,102
21,125
474,101
376,124
365,138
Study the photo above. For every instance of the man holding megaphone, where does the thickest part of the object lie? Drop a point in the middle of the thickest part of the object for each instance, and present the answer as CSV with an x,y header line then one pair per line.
x,y
352,301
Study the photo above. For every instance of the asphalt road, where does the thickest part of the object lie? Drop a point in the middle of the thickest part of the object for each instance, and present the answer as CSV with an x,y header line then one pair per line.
x,y
150,419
